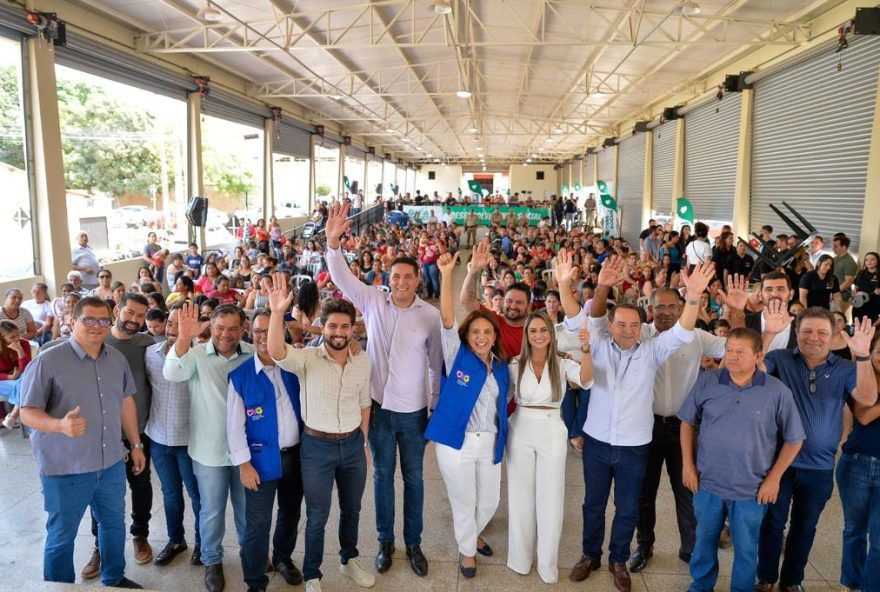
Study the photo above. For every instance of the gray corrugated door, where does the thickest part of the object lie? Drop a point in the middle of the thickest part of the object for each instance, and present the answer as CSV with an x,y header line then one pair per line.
x,y
663,166
232,108
811,136
293,141
590,170
711,138
606,168
631,186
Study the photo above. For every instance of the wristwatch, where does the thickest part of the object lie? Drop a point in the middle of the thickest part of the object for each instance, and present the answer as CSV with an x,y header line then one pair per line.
x,y
586,348
863,358
138,445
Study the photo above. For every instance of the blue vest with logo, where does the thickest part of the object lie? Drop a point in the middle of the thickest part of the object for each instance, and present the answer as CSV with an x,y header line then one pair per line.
x,y
261,423
458,395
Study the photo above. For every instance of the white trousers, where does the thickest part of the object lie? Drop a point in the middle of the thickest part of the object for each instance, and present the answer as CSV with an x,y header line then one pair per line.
x,y
473,484
537,443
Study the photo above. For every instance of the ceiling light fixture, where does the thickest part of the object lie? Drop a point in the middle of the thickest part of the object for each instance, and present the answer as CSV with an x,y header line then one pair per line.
x,y
528,160
391,130
440,6
404,140
473,129
687,8
209,14
549,140
463,94
558,129
541,149
336,97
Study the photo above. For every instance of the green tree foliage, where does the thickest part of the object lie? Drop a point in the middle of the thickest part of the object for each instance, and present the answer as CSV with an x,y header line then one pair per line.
x,y
322,190
11,119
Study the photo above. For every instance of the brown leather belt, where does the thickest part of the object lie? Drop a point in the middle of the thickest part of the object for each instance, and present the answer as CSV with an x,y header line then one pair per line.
x,y
328,435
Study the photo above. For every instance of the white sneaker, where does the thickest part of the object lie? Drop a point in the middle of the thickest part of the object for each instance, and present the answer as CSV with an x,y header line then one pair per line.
x,y
313,585
357,573
10,423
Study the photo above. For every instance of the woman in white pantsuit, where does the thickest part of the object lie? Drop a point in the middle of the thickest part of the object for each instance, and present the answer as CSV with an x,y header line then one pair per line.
x,y
537,446
469,422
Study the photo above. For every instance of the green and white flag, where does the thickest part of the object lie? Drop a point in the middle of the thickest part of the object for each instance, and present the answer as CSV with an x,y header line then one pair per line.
x,y
684,209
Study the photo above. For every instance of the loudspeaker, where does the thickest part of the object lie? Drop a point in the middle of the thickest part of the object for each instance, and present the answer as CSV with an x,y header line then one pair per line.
x,y
736,82
197,211
867,21
671,113
379,189
354,187
539,175
608,143
641,126
432,175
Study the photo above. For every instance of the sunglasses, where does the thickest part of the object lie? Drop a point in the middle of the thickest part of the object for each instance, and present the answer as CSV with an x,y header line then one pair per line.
x,y
95,322
812,378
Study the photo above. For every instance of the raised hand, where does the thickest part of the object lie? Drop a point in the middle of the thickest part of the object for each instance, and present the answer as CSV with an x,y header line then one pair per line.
x,y
188,325
446,263
776,317
480,255
698,280
584,334
280,297
337,224
860,343
72,425
564,269
737,295
612,271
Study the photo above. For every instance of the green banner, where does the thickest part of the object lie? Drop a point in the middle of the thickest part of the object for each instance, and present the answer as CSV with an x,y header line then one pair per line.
x,y
684,209
484,213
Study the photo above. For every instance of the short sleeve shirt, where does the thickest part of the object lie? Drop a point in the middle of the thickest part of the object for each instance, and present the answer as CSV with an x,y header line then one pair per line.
x,y
21,321
819,291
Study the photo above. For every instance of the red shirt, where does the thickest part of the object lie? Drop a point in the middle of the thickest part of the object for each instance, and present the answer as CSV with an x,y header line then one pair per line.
x,y
511,337
10,361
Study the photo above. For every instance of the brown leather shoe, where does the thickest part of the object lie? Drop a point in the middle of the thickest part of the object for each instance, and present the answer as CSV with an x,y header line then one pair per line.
x,y
143,552
763,587
622,580
583,568
93,568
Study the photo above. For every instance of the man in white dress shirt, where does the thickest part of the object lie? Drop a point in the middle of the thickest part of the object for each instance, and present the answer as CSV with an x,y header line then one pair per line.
x,y
620,421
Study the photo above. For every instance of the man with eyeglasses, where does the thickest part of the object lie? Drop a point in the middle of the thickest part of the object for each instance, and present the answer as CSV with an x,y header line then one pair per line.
x,y
78,399
125,336
822,383
263,427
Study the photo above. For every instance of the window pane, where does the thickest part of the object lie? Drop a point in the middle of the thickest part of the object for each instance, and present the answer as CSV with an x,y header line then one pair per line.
x,y
15,207
326,172
124,164
374,178
290,176
354,171
232,164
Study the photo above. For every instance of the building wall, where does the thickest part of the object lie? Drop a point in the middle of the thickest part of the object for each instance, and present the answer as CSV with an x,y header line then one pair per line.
x,y
448,177
523,178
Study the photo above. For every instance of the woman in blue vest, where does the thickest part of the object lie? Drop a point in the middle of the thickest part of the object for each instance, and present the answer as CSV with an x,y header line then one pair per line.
x,y
469,422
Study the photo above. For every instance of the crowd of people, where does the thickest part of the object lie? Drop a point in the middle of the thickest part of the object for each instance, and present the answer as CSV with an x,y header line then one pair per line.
x,y
236,375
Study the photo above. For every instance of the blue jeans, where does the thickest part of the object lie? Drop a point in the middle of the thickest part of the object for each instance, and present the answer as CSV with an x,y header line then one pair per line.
x,y
574,411
10,390
805,492
431,277
625,466
175,471
327,462
858,478
390,430
216,484
259,504
65,499
745,525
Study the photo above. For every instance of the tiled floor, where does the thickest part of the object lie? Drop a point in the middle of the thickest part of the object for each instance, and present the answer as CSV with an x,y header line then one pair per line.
x,y
22,534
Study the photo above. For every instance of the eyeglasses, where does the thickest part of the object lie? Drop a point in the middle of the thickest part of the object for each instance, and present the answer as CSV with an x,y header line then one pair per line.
x,y
260,331
812,382
95,322
103,277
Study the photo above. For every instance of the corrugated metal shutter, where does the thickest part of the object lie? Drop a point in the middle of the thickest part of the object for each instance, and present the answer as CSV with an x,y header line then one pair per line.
x,y
590,170
663,166
631,186
293,141
232,108
811,137
355,152
606,168
711,138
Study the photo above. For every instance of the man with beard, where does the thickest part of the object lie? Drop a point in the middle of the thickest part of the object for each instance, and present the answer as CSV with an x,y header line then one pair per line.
x,y
672,383
516,304
336,408
775,288
403,346
125,336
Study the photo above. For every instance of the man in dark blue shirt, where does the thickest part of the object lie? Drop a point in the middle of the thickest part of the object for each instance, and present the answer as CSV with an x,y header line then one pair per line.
x,y
821,383
742,414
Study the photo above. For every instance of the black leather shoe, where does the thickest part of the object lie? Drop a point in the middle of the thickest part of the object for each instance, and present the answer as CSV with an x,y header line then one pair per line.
x,y
126,583
417,560
289,571
485,550
196,558
686,557
214,580
170,551
467,572
638,561
383,559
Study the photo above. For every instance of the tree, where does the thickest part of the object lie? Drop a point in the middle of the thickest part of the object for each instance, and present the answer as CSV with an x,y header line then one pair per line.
x,y
11,119
322,190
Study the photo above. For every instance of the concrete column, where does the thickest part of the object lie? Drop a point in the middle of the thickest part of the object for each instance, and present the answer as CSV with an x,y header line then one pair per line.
x,y
742,193
678,168
340,176
870,236
194,158
268,184
53,241
648,180
311,173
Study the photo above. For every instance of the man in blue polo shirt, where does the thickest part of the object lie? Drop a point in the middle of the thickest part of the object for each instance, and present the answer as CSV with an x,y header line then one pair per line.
x,y
821,383
741,414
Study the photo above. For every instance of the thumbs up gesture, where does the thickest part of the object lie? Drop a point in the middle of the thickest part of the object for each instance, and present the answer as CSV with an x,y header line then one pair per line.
x,y
72,425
